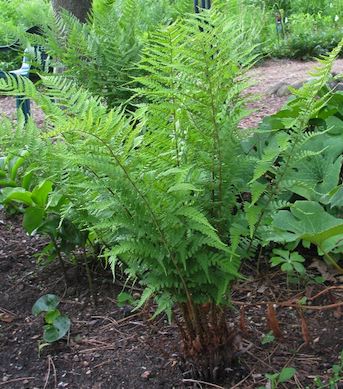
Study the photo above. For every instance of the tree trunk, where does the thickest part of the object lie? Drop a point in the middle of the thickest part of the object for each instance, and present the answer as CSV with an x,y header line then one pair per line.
x,y
78,8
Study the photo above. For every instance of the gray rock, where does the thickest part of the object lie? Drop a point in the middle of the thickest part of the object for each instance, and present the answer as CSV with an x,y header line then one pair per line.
x,y
273,90
299,84
335,85
283,91
339,86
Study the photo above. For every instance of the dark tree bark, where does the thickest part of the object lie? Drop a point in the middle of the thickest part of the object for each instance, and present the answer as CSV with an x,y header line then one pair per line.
x,y
78,8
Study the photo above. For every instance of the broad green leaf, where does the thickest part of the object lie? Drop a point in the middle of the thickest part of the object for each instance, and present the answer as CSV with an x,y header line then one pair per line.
x,y
55,331
286,374
283,253
299,267
276,261
335,198
15,164
19,195
7,183
46,303
27,180
296,257
51,316
335,124
287,267
50,333
124,298
314,177
41,192
306,220
33,218
50,225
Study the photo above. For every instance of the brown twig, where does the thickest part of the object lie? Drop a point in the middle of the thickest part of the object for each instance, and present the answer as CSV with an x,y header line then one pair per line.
x,y
290,304
16,380
4,310
260,360
238,385
54,370
47,376
102,364
188,380
113,323
50,365
325,291
94,349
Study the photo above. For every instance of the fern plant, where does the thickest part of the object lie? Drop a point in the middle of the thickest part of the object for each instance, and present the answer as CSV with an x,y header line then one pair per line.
x,y
300,159
101,55
162,189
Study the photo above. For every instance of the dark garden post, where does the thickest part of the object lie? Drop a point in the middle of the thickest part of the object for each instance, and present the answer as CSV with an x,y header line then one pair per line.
x,y
205,4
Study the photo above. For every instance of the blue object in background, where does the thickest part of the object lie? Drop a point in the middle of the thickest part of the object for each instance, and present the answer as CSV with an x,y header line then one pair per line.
x,y
33,56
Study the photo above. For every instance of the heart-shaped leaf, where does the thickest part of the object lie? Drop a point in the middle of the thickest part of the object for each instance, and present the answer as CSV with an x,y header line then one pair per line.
x,y
46,303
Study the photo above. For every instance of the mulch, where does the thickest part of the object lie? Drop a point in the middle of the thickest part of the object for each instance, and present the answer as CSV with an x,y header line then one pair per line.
x,y
111,347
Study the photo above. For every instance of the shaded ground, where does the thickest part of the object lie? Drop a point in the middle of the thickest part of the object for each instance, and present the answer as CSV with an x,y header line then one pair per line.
x,y
106,349
111,347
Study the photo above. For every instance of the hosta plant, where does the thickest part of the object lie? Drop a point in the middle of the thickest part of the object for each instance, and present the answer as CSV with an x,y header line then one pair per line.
x,y
297,181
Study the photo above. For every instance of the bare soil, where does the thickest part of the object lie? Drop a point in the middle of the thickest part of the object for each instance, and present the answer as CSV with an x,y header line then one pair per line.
x,y
271,73
112,347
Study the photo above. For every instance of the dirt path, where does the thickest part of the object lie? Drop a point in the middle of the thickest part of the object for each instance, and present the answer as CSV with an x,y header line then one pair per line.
x,y
271,73
266,76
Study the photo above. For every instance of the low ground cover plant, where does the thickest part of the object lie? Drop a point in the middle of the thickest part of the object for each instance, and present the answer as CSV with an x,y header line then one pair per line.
x,y
56,325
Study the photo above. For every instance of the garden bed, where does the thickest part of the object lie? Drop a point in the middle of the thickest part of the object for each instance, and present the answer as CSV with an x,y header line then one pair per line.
x,y
111,347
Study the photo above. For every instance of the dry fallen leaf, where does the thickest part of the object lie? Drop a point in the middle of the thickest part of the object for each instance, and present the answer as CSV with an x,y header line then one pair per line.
x,y
5,317
146,375
304,329
327,273
273,323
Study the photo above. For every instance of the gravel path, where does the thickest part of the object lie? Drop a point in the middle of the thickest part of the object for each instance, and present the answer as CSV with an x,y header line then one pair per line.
x,y
266,76
271,73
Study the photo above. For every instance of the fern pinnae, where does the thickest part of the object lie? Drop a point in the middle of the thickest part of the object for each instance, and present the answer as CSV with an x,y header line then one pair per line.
x,y
309,104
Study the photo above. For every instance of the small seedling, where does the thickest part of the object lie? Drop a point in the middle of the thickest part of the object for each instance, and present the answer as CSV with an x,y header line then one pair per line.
x,y
56,325
268,338
124,299
290,261
336,376
279,378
